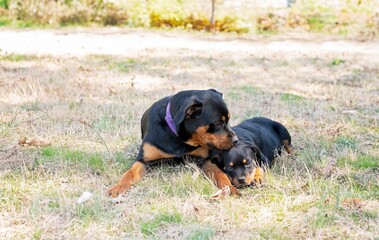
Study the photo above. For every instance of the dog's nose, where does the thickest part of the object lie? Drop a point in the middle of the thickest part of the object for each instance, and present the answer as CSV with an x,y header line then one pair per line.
x,y
234,139
241,180
232,135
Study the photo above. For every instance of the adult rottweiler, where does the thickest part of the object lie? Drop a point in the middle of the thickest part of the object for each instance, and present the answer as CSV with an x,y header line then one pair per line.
x,y
190,123
260,139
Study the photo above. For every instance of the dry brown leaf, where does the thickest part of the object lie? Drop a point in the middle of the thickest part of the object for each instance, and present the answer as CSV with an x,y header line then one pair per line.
x,y
225,191
326,201
112,91
22,141
85,122
352,203
36,142
195,209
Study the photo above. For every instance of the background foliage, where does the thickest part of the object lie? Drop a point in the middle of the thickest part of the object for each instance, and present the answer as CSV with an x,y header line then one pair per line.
x,y
349,17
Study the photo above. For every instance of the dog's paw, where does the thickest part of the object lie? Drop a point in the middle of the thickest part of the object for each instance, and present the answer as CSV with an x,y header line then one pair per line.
x,y
234,191
117,190
258,177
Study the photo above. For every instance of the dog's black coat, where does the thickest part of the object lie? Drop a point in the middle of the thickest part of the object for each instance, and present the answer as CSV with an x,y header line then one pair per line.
x,y
190,110
265,134
260,139
201,124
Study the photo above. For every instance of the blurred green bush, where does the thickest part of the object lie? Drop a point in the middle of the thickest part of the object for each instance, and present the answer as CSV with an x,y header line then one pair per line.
x,y
348,17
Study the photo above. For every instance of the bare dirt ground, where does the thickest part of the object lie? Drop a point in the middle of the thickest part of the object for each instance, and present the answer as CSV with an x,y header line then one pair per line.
x,y
116,41
85,90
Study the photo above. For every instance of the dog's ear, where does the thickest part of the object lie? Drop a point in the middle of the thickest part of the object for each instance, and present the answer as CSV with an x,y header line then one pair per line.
x,y
214,90
191,108
255,150
262,160
194,111
215,157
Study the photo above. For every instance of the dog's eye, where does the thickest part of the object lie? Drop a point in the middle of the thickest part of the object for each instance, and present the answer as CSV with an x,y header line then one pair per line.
x,y
246,161
219,123
230,166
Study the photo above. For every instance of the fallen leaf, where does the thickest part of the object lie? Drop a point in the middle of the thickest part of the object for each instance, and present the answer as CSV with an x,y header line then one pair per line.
x,y
64,180
85,122
225,191
352,203
22,141
112,91
327,201
195,209
36,142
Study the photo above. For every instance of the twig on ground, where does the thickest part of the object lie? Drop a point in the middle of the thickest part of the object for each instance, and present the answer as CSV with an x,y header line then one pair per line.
x,y
30,120
14,117
89,125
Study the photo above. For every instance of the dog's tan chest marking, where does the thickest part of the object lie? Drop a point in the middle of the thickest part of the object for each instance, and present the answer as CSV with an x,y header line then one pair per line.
x,y
200,152
199,137
151,153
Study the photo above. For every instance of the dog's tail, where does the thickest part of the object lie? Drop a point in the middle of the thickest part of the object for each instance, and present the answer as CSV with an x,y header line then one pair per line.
x,y
284,137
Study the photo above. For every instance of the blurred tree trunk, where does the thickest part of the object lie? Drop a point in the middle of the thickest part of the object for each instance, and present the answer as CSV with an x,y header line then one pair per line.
x,y
212,20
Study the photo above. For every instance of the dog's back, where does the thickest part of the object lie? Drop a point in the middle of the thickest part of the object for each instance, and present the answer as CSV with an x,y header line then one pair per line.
x,y
266,134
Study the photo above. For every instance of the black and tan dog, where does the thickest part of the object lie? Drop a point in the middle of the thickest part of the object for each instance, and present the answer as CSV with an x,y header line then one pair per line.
x,y
188,123
260,139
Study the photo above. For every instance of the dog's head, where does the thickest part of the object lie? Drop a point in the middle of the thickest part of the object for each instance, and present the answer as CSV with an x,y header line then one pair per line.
x,y
239,163
202,119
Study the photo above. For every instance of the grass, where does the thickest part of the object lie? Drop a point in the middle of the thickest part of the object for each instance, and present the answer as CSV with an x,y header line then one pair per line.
x,y
291,98
16,58
367,162
337,62
150,227
90,107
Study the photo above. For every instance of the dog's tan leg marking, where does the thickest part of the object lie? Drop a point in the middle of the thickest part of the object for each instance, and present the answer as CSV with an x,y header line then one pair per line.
x,y
288,147
218,177
258,175
133,175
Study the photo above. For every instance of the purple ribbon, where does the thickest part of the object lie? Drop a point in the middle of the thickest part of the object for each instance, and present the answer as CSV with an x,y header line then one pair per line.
x,y
169,120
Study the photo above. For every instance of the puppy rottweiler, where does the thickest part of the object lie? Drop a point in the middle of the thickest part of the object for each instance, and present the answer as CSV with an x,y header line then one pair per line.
x,y
260,139
190,123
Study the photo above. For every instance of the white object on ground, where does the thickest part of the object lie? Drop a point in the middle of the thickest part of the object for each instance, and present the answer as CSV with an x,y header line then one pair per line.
x,y
85,197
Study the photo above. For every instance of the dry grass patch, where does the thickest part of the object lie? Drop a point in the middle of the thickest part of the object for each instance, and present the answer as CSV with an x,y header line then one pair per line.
x,y
89,108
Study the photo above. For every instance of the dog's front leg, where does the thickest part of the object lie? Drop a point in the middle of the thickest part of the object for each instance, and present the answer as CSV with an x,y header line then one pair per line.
x,y
133,175
218,177
148,153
